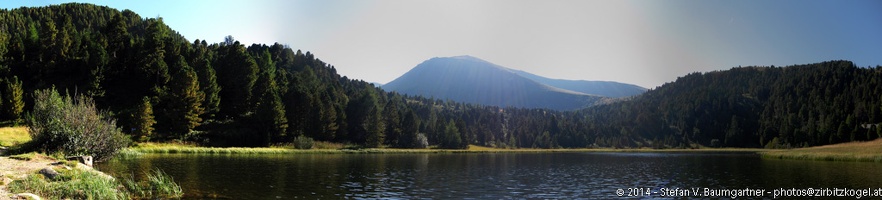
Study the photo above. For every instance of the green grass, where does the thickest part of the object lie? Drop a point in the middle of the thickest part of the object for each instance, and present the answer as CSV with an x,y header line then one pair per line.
x,y
25,156
158,185
78,182
186,148
326,145
11,136
72,184
853,151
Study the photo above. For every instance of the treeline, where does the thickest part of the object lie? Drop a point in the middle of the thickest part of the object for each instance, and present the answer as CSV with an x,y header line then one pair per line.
x,y
161,87
774,107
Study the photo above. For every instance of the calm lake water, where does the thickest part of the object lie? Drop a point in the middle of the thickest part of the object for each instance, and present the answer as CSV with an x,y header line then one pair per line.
x,y
486,176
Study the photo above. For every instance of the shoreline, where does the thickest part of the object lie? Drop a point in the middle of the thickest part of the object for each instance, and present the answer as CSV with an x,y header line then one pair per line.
x,y
13,169
867,151
848,152
182,149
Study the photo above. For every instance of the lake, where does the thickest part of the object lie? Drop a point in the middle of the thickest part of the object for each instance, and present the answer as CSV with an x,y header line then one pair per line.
x,y
490,175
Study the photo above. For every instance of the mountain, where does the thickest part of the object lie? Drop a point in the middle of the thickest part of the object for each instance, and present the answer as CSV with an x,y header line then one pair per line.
x,y
600,88
471,80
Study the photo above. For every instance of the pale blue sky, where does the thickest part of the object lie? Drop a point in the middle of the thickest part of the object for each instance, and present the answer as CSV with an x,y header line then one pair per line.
x,y
646,43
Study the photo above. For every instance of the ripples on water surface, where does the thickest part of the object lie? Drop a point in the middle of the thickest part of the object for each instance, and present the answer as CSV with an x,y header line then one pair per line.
x,y
485,176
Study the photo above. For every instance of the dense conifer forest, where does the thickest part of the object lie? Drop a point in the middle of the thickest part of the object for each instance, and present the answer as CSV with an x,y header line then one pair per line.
x,y
162,87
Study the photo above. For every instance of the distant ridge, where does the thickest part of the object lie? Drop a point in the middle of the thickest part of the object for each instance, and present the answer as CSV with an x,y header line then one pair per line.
x,y
600,88
472,80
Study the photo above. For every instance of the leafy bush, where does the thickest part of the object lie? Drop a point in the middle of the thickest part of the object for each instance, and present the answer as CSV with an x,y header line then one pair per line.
x,y
303,142
421,142
73,126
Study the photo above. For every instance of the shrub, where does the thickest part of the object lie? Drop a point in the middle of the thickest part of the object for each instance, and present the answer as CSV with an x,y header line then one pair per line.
x,y
73,126
303,142
413,140
421,142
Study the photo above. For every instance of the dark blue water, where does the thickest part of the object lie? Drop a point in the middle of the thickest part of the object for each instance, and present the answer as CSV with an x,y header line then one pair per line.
x,y
488,176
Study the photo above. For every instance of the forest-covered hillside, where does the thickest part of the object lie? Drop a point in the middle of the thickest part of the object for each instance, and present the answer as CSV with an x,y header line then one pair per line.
x,y
793,106
160,87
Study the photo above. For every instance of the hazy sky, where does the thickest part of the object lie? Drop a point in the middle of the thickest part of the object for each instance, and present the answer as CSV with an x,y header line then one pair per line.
x,y
646,43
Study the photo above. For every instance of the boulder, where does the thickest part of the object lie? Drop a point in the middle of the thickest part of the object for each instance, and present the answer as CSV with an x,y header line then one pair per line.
x,y
50,173
86,160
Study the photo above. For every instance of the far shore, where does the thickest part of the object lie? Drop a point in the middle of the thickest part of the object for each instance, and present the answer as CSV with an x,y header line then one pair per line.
x,y
870,151
163,148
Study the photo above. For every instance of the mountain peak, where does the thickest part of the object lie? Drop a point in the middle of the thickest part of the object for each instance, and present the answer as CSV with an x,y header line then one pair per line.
x,y
466,57
472,80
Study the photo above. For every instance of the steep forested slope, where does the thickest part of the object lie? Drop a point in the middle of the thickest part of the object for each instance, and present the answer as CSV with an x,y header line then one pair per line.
x,y
802,105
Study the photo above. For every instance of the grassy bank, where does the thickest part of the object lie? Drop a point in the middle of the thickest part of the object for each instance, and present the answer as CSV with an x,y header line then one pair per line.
x,y
20,174
74,180
853,151
77,181
184,148
11,136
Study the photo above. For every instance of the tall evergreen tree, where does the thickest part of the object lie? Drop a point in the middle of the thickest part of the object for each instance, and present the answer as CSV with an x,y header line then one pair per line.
x,y
182,103
393,121
152,72
118,38
13,104
143,121
451,138
302,104
200,59
409,130
364,115
270,112
236,75
271,119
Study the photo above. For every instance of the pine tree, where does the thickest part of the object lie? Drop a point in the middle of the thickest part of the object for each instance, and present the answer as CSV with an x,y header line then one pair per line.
x,y
152,72
373,122
451,138
304,105
182,103
271,118
365,123
236,75
13,105
410,126
393,121
143,121
119,39
201,62
270,114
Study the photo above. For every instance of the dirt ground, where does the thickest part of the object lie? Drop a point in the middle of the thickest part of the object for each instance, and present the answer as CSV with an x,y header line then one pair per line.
x,y
16,169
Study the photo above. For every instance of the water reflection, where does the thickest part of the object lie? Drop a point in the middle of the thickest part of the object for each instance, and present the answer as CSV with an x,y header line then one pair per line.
x,y
484,176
